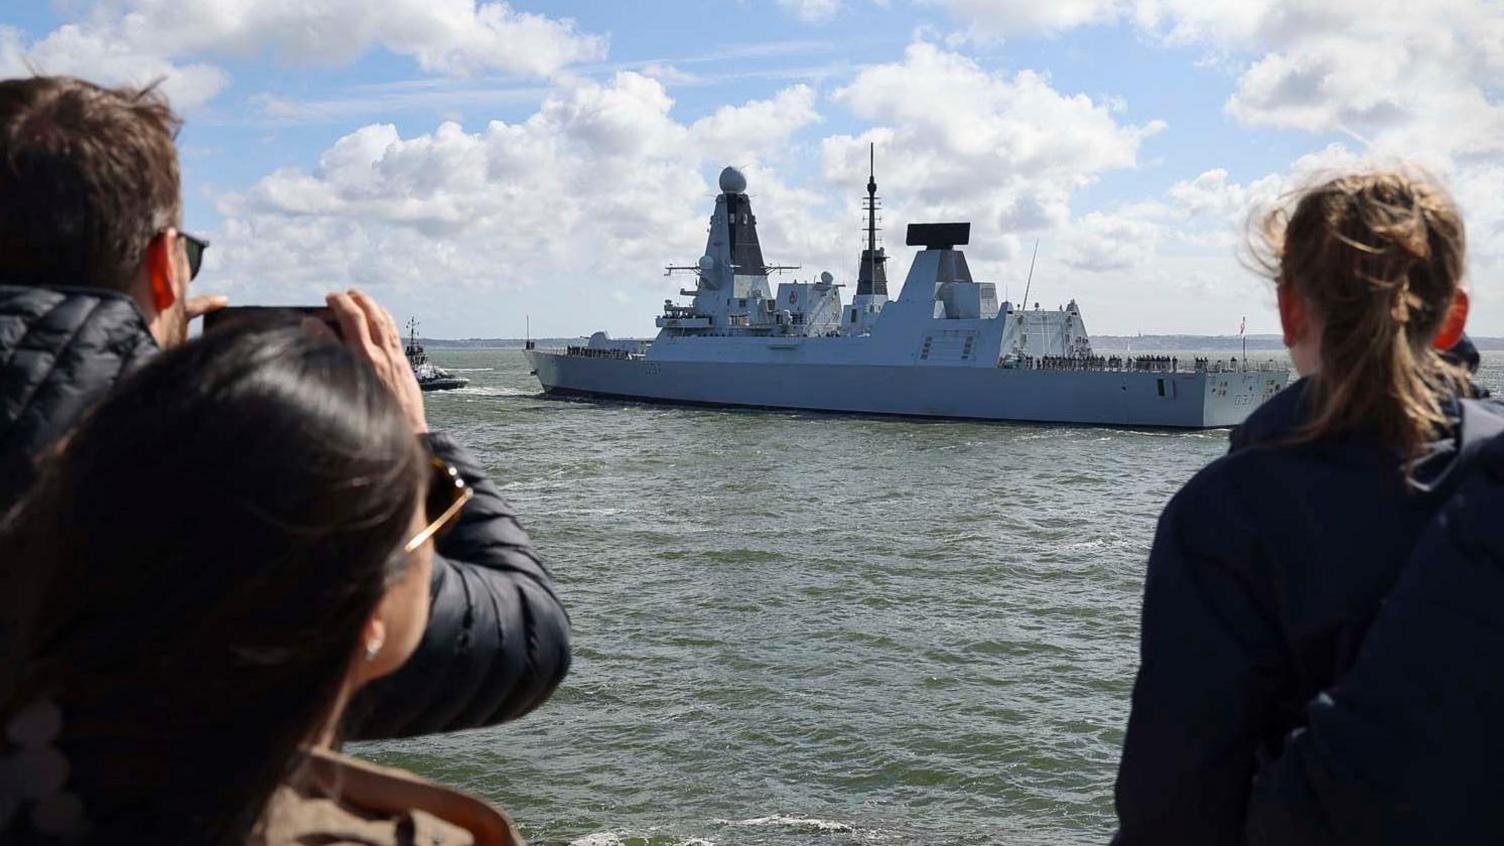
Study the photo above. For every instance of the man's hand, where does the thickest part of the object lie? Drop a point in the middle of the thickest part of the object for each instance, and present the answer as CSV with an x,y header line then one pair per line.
x,y
370,330
201,305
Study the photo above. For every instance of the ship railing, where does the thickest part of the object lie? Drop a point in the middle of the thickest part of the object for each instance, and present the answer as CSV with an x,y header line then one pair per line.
x,y
597,352
1140,364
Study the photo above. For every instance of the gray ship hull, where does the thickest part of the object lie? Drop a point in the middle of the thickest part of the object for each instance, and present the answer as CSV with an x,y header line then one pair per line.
x,y
1203,399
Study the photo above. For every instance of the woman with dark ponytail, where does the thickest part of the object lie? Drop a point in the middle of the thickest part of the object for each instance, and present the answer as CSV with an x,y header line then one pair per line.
x,y
226,550
1270,565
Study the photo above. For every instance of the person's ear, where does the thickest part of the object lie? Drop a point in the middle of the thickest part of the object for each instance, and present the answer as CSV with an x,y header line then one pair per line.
x,y
162,269
373,637
1456,319
1292,314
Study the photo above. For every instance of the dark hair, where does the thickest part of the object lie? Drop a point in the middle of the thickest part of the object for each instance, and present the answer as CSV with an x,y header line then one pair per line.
x,y
1379,255
189,580
88,176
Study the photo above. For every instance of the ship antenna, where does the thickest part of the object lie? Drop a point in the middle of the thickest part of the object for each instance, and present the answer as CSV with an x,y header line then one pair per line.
x,y
872,196
1031,274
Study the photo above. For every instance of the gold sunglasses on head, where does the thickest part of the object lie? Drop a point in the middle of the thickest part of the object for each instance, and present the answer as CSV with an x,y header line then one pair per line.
x,y
447,495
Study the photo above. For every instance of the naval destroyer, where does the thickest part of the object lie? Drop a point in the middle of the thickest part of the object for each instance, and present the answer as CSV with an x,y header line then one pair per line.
x,y
944,348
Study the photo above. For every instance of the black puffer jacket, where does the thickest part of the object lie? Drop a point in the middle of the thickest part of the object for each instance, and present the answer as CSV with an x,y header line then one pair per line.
x,y
497,643
1406,747
1267,570
60,349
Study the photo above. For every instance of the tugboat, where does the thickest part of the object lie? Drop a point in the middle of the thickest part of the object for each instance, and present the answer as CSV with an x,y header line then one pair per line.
x,y
946,347
431,377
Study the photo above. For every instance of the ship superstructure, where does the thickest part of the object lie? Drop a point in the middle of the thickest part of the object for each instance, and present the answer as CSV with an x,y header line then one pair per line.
x,y
946,347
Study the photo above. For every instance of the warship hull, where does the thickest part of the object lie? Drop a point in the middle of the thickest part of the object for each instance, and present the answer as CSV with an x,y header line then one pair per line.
x,y
1195,400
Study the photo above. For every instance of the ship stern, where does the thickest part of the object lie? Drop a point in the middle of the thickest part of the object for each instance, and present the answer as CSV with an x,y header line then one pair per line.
x,y
1230,396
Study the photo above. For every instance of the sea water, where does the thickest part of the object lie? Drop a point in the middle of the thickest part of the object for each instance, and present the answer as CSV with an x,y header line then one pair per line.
x,y
798,628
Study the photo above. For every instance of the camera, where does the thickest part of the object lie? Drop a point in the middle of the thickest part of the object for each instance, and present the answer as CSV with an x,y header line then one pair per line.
x,y
264,315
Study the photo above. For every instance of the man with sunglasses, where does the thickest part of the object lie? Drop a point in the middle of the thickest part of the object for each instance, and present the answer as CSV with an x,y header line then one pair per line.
x,y
94,265
94,279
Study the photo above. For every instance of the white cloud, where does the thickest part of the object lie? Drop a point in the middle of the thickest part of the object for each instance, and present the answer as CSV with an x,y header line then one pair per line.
x,y
1020,17
812,11
965,131
577,206
443,36
1109,242
1406,82
756,130
134,41
77,51
1005,151
602,185
1407,79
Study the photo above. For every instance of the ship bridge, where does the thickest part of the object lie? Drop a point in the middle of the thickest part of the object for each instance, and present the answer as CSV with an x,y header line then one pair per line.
x,y
732,295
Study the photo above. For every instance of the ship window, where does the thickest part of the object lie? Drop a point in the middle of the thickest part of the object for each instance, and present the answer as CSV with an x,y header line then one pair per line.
x,y
742,303
1161,386
853,316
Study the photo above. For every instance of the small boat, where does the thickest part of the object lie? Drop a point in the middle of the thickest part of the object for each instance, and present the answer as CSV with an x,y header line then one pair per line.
x,y
431,377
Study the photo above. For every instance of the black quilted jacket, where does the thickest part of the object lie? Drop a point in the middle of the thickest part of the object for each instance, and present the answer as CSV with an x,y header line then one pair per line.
x,y
497,643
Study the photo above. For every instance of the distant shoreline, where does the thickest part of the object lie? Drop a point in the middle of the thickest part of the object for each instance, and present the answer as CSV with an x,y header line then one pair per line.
x,y
1147,343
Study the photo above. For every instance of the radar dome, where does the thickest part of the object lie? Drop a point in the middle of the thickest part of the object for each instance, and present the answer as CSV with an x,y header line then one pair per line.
x,y
826,278
706,264
733,182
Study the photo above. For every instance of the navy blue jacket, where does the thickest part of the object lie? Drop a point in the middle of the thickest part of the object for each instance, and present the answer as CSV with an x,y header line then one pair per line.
x,y
1408,746
497,642
1266,573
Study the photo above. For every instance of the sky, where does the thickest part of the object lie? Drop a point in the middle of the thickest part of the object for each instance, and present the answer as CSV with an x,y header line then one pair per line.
x,y
500,167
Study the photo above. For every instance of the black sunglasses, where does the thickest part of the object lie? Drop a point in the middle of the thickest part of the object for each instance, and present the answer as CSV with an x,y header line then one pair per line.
x,y
447,494
194,246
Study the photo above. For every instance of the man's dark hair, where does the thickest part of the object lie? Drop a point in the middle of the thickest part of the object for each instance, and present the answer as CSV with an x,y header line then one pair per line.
x,y
88,175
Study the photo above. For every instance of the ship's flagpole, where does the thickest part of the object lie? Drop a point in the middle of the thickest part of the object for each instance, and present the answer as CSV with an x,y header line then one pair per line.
x,y
1242,327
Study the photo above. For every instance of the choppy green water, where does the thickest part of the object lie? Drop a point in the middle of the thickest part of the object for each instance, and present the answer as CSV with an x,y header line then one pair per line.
x,y
796,628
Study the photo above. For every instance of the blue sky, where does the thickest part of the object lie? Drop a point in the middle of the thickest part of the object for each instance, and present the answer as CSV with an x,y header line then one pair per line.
x,y
481,163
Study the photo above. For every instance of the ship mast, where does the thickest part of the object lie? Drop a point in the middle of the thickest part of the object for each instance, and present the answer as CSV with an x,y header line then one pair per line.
x,y
872,196
871,277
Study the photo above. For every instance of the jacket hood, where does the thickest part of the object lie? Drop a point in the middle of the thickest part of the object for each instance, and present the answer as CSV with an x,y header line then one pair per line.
x,y
1283,415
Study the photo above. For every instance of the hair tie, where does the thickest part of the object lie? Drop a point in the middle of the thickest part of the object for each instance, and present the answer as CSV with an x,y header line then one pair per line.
x,y
34,771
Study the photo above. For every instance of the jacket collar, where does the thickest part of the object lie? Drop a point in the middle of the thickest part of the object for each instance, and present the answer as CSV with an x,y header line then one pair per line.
x,y
1276,419
1283,414
331,792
